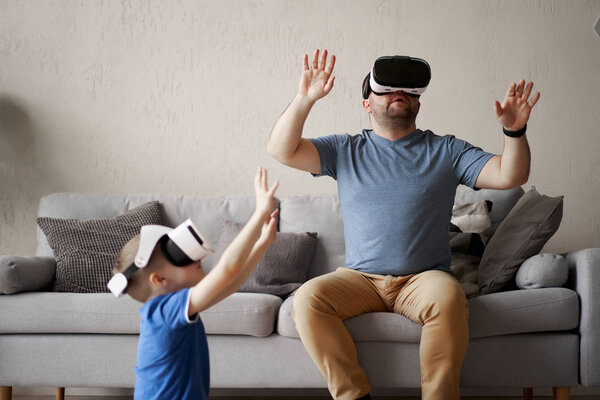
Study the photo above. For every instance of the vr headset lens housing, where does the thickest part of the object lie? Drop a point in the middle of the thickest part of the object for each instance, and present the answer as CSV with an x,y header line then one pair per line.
x,y
181,246
394,73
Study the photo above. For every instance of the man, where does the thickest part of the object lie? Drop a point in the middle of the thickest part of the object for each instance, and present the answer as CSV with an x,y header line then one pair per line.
x,y
396,186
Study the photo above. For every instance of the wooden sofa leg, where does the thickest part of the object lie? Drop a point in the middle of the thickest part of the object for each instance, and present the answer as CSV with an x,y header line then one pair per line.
x,y
527,393
561,393
5,392
60,393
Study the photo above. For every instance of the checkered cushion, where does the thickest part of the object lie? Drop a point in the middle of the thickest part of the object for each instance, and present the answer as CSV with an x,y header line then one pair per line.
x,y
86,250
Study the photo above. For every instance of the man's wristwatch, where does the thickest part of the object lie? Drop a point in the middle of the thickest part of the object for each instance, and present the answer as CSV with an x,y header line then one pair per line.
x,y
515,134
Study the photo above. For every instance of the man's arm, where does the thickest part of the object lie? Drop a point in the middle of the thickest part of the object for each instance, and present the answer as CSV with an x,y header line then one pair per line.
x,y
511,169
242,255
286,144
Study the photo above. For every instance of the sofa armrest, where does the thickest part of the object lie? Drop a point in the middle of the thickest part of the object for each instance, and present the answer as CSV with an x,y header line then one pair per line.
x,y
584,278
25,274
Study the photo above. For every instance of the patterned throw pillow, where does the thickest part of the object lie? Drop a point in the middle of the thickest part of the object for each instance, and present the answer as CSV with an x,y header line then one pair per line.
x,y
86,250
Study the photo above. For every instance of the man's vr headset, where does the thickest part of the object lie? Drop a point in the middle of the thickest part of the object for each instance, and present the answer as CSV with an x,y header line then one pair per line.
x,y
393,73
181,246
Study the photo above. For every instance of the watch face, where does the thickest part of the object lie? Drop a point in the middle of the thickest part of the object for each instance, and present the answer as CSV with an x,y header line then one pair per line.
x,y
401,71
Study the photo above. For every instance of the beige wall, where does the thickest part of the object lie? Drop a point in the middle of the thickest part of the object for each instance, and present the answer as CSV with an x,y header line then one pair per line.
x,y
180,97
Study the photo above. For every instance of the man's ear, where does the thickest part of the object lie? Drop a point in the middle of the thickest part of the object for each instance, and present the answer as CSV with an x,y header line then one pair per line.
x,y
157,279
367,106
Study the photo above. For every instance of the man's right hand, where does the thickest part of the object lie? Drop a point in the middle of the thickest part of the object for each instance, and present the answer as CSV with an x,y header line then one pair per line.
x,y
316,80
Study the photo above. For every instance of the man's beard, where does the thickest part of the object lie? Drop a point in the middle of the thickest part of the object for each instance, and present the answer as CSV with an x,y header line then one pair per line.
x,y
393,117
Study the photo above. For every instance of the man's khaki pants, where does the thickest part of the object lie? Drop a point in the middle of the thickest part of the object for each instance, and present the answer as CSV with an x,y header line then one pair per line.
x,y
433,299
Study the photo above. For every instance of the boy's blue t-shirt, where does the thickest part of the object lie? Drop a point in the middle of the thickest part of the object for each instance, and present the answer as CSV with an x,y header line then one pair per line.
x,y
397,197
172,357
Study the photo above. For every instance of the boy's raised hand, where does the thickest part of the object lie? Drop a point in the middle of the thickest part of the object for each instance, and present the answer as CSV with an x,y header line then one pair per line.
x,y
265,197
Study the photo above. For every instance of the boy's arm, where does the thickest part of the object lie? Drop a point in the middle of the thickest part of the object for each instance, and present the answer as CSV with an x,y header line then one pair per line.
x,y
218,282
257,252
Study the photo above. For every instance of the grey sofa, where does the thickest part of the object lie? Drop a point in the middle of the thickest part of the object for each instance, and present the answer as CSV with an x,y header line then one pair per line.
x,y
521,338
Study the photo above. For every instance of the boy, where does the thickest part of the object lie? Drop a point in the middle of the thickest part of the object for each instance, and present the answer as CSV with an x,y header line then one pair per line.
x,y
172,360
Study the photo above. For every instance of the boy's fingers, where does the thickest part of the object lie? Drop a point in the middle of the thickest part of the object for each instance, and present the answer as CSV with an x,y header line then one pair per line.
x,y
274,188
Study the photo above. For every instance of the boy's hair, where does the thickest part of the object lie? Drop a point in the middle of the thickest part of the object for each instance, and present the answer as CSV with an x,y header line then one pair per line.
x,y
138,287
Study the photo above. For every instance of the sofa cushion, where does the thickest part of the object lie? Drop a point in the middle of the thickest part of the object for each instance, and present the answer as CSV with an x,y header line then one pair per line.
x,y
284,266
85,250
240,314
26,274
519,311
522,234
543,270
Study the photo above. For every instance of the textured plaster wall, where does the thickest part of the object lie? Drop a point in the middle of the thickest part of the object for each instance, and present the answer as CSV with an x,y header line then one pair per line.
x,y
180,96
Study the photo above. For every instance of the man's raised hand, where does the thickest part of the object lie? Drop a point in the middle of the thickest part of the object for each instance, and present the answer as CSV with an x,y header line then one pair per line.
x,y
316,80
514,112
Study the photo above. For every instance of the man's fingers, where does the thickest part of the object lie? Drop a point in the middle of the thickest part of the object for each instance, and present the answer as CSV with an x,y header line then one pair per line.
x,y
534,100
497,109
329,68
305,62
520,86
323,60
527,91
329,85
511,90
315,63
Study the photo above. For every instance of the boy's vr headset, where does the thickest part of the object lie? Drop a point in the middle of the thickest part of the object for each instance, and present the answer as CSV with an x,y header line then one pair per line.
x,y
181,246
394,73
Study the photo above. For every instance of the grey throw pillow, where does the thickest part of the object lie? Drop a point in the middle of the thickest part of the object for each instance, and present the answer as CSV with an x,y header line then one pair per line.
x,y
86,250
25,274
284,266
543,270
522,234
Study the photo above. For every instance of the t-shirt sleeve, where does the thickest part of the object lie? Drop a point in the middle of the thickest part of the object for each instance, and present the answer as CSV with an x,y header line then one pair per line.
x,y
467,160
327,146
171,310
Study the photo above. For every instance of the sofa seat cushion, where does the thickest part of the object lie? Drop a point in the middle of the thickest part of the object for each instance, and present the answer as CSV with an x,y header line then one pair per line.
x,y
42,312
504,313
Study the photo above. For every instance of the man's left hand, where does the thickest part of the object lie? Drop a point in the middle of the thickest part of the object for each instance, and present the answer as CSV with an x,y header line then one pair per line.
x,y
514,112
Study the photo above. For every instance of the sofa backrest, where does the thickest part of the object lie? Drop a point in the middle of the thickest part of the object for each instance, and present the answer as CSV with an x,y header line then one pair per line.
x,y
307,213
207,212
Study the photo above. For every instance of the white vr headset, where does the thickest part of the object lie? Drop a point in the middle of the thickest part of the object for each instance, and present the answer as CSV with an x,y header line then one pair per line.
x,y
393,73
181,246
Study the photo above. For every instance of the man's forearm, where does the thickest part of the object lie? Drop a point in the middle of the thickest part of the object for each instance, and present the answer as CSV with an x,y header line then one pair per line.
x,y
516,160
287,132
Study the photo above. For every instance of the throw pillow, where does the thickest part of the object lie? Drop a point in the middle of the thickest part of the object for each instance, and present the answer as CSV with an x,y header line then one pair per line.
x,y
25,274
522,234
284,266
543,270
86,250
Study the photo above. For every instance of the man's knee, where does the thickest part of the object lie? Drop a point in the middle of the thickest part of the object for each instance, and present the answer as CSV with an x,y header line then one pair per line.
x,y
447,299
308,297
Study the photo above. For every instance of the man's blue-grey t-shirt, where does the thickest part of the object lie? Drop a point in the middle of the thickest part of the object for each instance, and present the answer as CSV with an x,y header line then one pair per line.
x,y
397,197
